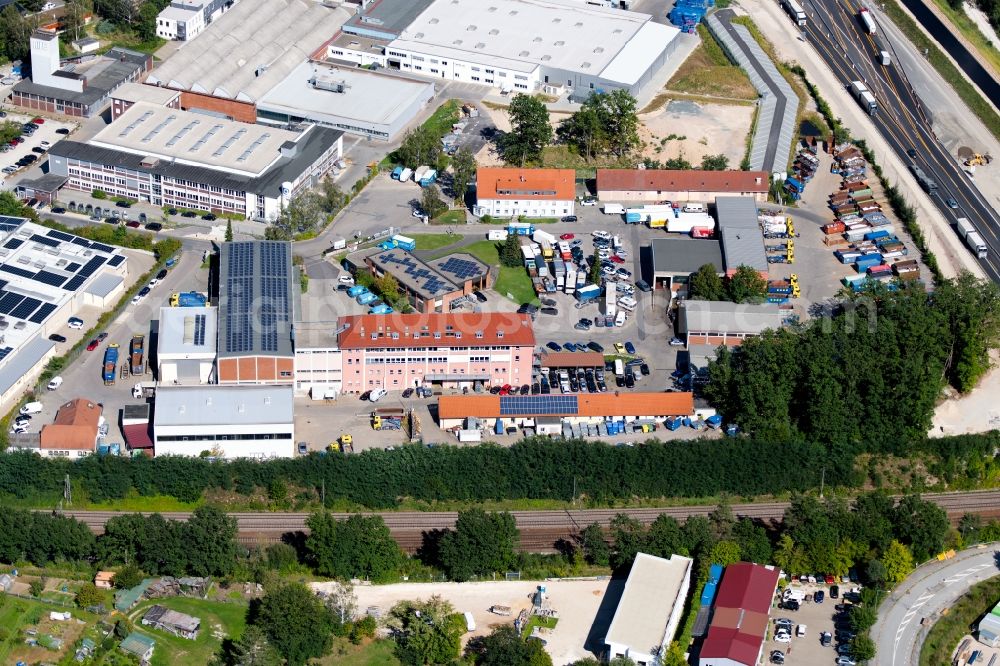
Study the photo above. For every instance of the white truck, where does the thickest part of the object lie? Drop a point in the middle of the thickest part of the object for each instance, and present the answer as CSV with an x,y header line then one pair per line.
x,y
867,20
972,237
613,209
864,96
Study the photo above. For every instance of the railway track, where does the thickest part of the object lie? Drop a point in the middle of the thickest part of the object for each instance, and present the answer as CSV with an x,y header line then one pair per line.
x,y
540,530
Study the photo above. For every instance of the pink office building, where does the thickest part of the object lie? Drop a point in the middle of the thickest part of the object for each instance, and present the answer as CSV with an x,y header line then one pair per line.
x,y
399,351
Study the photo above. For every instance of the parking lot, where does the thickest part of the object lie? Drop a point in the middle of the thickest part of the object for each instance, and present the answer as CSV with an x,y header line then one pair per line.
x,y
815,619
41,138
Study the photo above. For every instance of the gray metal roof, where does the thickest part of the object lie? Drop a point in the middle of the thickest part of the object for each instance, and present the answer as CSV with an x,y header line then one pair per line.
x,y
117,66
47,182
104,284
310,148
388,17
22,362
256,299
215,404
187,331
682,255
739,231
727,317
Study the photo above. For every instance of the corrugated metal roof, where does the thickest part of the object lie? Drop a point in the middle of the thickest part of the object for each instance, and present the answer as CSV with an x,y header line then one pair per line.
x,y
727,317
739,231
223,405
685,255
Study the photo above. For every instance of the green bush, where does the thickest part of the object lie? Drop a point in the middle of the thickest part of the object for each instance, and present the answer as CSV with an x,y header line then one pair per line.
x,y
99,194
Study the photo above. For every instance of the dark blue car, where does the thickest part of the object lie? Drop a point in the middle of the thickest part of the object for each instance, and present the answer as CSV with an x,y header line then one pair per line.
x,y
554,346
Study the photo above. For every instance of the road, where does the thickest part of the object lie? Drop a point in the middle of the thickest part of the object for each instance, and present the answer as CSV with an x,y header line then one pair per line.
x,y
540,529
834,30
931,589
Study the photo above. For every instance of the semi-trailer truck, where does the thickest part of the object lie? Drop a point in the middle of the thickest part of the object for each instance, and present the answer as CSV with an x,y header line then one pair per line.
x,y
971,237
794,10
137,354
926,182
864,96
867,20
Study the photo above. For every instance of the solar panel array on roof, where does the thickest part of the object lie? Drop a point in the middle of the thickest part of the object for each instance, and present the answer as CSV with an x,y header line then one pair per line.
x,y
199,330
16,271
101,247
25,308
52,233
91,266
51,279
10,223
73,267
51,242
239,289
463,269
42,313
430,282
74,283
4,351
528,405
13,243
116,260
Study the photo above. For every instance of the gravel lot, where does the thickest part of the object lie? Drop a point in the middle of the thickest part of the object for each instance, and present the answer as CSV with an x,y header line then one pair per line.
x,y
806,650
582,605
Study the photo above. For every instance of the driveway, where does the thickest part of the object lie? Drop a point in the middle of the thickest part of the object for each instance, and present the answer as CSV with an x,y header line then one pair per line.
x,y
929,590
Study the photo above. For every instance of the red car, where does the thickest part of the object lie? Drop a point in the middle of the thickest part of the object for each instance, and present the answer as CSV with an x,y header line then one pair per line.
x,y
830,580
133,224
618,260
567,237
38,121
93,344
505,389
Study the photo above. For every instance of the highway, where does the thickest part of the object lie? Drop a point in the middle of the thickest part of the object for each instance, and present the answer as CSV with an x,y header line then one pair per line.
x,y
540,530
931,589
836,33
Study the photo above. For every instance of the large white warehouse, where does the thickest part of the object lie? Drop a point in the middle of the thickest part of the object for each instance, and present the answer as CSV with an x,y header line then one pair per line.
x,y
524,45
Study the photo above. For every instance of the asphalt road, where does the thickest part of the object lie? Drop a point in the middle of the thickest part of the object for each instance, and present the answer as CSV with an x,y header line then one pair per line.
x,y
834,30
932,588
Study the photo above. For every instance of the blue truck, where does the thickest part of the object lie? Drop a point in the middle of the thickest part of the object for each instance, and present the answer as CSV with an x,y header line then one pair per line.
x,y
404,242
110,364
395,172
589,293
188,299
381,309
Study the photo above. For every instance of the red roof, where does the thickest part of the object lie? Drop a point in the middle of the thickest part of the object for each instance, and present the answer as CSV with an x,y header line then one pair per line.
x,y
75,426
588,404
681,180
137,436
739,623
486,329
526,184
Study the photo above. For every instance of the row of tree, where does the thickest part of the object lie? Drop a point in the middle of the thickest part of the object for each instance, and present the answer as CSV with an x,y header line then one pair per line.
x,y
745,285
865,375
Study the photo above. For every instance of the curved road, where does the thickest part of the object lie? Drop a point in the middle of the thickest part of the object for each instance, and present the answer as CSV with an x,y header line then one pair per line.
x,y
930,589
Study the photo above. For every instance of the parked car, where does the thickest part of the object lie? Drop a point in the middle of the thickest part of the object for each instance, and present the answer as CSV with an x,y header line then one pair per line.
x,y
480,296
121,203
55,337
819,596
189,213
209,217
554,346
834,591
75,323
593,346
825,639
62,130
550,311
569,218
777,657
567,237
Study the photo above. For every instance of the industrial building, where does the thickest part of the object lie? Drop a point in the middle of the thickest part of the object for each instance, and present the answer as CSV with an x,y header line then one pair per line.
x,y
257,298
46,276
556,46
318,361
454,350
375,105
740,617
431,286
128,94
650,608
227,421
73,433
679,185
246,52
502,192
386,19
184,20
724,323
81,90
989,627
675,259
171,157
527,411
740,233
186,345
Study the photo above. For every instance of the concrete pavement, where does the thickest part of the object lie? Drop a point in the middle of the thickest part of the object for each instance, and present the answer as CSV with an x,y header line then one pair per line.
x,y
931,589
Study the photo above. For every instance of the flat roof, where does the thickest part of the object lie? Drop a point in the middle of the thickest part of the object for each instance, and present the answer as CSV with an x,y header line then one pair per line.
x,y
653,588
553,359
368,97
188,331
740,233
21,363
256,299
727,317
192,138
251,47
570,405
526,184
102,75
354,42
139,92
387,16
681,180
736,212
685,255
523,35
400,331
177,13
220,405
103,285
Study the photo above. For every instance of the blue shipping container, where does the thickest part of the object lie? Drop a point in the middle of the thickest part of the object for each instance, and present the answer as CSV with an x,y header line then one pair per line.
x,y
715,573
708,593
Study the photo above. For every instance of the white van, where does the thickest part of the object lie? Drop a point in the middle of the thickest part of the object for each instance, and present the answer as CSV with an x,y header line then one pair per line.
x,y
620,318
614,209
627,303
603,235
31,408
377,394
55,383
694,208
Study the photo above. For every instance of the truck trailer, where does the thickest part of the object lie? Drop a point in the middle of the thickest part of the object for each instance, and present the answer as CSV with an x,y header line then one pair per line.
x,y
867,20
137,354
864,96
794,10
110,363
188,299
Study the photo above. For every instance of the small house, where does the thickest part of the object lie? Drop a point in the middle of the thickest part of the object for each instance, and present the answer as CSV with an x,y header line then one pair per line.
x,y
179,624
104,580
139,646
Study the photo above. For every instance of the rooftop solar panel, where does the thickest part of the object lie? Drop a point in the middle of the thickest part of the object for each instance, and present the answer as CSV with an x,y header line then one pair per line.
x,y
74,283
199,330
81,241
13,243
9,301
72,267
537,405
25,308
4,351
101,247
463,269
17,271
51,279
59,235
51,242
10,223
91,266
42,313
116,260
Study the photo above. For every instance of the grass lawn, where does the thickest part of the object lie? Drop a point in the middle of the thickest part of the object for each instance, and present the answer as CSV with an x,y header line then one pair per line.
x,y
443,118
562,157
511,280
538,621
17,613
456,216
218,620
708,71
949,629
376,653
434,241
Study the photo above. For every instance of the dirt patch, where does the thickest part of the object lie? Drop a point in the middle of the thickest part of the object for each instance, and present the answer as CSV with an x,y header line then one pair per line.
x,y
68,632
977,411
708,71
692,130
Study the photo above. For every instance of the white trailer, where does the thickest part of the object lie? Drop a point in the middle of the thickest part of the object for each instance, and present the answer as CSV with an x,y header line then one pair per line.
x,y
683,223
794,10
868,20
543,237
610,299
496,234
613,209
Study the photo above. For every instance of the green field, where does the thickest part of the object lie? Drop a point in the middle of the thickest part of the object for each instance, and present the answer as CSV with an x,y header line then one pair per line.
x,y
538,621
219,620
376,653
434,241
511,280
455,216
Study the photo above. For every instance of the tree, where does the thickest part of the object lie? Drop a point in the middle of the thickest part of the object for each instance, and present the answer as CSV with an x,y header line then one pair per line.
x,y
431,202
419,147
74,18
426,632
898,562
920,524
875,573
725,553
342,602
210,535
463,165
583,131
629,536
332,197
595,548
505,647
510,252
746,285
862,617
753,541
281,557
481,543
15,33
530,131
88,595
145,26
301,215
605,123
359,547
863,647
295,622
128,577
229,231
595,268
715,162
664,537
706,285
37,586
